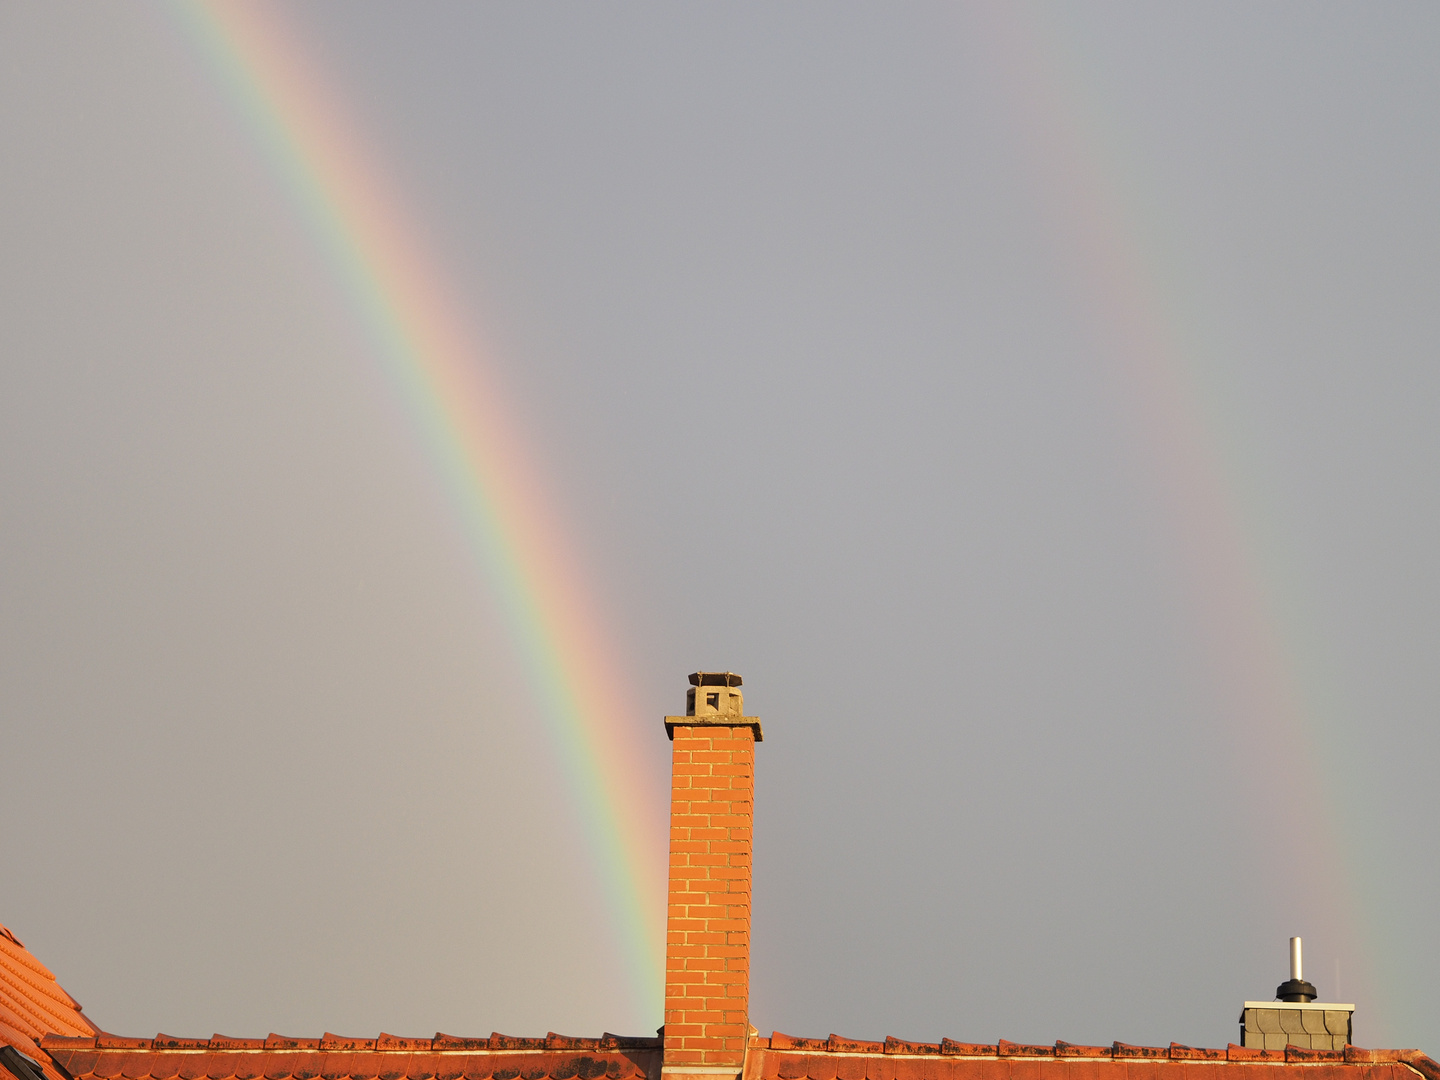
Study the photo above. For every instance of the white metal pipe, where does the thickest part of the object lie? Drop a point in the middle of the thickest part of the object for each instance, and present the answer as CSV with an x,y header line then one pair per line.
x,y
1295,966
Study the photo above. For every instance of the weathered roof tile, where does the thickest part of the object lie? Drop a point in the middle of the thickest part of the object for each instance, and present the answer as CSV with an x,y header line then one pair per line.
x,y
965,1049
402,1042
1250,1053
1125,1050
904,1046
137,1066
1005,1048
1180,1052
1071,1050
176,1042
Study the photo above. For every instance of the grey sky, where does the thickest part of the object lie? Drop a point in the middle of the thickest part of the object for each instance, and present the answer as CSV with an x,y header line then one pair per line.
x,y
802,311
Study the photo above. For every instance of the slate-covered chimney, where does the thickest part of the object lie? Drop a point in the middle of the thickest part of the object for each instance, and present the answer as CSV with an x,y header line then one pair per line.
x,y
1295,1018
707,934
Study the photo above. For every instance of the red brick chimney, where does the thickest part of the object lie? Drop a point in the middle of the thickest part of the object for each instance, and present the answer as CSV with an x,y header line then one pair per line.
x,y
707,933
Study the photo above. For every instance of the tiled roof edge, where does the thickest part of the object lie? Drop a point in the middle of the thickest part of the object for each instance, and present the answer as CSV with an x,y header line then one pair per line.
x,y
1416,1060
1420,1062
329,1043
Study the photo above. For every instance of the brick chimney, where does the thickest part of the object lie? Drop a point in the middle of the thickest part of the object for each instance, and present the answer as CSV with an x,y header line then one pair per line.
x,y
707,933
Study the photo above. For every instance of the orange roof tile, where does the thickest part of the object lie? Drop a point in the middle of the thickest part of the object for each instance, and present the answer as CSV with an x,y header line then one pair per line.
x,y
787,1057
781,1057
33,1004
168,1058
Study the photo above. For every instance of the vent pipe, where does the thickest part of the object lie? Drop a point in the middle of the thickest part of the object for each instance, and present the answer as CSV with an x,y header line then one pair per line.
x,y
1296,988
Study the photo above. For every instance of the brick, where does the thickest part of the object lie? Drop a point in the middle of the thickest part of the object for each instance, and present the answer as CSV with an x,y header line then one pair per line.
x,y
708,926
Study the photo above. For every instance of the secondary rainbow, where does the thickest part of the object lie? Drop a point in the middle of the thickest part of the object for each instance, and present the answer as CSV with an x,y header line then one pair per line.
x,y
1275,707
436,365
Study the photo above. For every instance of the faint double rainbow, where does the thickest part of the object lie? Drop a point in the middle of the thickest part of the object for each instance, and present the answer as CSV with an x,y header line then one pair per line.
x,y
437,367
1276,708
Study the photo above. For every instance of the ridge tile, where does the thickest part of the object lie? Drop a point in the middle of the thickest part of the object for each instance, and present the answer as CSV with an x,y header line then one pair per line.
x,y
964,1049
1125,1050
1006,1048
839,1044
1072,1050
781,1041
1181,1052
1304,1053
569,1042
903,1046
1252,1053
511,1042
457,1042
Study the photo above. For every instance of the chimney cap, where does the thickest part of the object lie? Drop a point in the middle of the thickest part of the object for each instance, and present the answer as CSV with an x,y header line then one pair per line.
x,y
715,678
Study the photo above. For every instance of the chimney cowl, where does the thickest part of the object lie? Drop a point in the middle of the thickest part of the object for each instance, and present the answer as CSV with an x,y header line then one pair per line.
x,y
715,678
1296,990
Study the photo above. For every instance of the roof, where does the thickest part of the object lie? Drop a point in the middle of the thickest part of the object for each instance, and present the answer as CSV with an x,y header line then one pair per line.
x,y
41,1021
334,1057
780,1057
786,1057
33,1004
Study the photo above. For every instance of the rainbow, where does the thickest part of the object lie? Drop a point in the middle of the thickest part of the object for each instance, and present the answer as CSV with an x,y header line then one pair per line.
x,y
1277,710
436,367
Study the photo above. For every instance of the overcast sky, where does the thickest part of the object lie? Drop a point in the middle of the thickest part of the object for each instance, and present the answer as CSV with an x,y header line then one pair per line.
x,y
1036,404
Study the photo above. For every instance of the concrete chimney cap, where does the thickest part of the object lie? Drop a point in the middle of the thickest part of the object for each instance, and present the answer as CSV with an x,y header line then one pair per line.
x,y
715,678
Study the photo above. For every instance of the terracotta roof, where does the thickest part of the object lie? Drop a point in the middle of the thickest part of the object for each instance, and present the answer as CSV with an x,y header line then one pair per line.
x,y
336,1057
787,1057
780,1057
41,1021
33,1004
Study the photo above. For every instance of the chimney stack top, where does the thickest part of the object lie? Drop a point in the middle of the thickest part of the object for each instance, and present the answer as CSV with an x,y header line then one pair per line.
x,y
714,699
715,678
